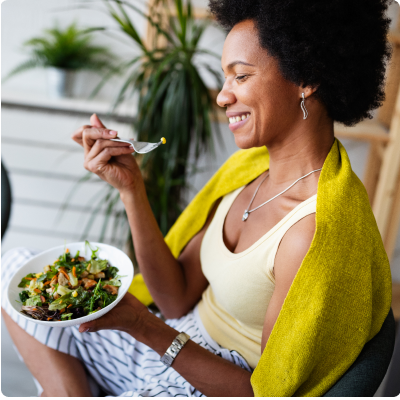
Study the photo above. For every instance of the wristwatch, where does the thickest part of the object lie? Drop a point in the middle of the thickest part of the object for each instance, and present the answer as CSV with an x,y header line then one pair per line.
x,y
173,350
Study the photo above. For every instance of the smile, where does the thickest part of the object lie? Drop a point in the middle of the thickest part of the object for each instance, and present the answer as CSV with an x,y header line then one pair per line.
x,y
236,121
238,118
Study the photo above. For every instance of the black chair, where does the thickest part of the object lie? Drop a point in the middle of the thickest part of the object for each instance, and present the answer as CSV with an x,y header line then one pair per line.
x,y
366,374
5,200
392,385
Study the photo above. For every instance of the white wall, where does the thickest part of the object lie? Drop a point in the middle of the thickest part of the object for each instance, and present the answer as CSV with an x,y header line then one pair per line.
x,y
23,19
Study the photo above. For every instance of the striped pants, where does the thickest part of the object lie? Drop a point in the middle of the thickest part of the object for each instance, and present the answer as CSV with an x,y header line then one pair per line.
x,y
119,364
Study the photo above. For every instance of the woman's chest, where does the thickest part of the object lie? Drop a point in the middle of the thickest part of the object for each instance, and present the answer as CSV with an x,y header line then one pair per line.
x,y
239,235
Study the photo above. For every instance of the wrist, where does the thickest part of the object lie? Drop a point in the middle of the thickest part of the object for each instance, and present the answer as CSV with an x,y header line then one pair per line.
x,y
131,192
155,334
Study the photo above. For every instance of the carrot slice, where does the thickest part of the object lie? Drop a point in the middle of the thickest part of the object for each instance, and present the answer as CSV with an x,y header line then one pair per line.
x,y
69,306
48,319
29,279
34,309
37,290
46,283
74,271
73,259
61,311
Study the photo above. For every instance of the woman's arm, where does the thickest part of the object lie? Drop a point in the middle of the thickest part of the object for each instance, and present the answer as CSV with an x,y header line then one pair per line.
x,y
175,285
207,372
290,254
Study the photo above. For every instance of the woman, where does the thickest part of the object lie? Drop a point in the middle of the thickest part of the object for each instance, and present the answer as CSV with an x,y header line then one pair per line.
x,y
291,69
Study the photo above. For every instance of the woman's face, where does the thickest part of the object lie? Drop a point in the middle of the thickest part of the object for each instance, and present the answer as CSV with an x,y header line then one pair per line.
x,y
255,91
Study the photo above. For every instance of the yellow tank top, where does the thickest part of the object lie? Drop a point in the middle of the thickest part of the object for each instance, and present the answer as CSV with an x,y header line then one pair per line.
x,y
234,305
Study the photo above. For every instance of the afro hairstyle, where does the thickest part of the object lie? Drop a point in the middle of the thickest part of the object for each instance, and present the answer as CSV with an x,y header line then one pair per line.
x,y
338,46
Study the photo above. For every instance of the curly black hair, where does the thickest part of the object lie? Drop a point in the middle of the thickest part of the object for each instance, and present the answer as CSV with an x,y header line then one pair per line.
x,y
338,45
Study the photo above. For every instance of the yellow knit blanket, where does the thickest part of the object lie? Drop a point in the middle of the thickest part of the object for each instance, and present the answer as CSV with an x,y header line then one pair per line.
x,y
341,294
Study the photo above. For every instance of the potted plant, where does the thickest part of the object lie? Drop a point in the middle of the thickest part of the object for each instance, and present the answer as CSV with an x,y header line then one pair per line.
x,y
63,52
173,102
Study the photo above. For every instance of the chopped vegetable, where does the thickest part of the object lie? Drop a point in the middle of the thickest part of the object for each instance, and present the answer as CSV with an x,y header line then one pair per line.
x,y
62,290
97,266
79,285
26,281
73,279
33,301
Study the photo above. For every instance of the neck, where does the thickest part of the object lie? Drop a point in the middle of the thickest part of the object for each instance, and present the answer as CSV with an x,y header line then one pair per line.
x,y
299,152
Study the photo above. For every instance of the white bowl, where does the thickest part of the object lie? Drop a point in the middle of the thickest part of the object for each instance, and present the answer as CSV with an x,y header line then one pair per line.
x,y
116,258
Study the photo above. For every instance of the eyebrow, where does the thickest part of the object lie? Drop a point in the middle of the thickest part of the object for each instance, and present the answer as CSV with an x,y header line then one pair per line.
x,y
233,63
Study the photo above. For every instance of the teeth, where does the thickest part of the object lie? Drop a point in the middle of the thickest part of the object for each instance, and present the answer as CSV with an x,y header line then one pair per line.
x,y
238,118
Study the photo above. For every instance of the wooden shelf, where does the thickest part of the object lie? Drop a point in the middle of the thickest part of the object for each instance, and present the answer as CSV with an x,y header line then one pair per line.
x,y
70,106
370,130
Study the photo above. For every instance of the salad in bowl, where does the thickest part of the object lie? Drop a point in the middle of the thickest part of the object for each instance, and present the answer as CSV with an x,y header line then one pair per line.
x,y
81,284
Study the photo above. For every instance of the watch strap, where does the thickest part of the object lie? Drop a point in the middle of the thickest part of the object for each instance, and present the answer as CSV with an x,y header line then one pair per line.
x,y
173,350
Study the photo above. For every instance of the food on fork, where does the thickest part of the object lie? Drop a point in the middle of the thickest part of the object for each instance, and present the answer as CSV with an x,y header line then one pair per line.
x,y
70,288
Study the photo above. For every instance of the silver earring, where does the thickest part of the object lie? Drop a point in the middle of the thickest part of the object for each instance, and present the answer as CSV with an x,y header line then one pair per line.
x,y
303,107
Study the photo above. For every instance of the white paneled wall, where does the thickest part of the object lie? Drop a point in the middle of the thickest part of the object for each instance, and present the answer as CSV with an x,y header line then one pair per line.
x,y
44,166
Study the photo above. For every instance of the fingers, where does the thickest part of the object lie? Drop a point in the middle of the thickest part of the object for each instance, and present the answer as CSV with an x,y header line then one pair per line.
x,y
95,121
98,163
90,135
100,145
88,327
77,135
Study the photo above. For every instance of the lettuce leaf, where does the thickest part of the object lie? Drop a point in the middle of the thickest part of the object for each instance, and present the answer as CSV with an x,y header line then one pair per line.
x,y
63,290
46,277
24,282
61,302
113,282
97,266
34,301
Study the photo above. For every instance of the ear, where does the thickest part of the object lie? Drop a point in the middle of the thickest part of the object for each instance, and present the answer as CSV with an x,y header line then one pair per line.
x,y
307,90
95,121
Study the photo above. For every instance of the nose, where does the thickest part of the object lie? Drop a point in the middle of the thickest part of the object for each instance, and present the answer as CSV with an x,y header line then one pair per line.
x,y
226,96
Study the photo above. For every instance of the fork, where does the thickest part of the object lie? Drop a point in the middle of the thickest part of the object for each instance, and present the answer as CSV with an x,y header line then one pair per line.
x,y
140,147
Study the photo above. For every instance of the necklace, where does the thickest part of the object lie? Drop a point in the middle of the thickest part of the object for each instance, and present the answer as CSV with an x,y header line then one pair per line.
x,y
247,211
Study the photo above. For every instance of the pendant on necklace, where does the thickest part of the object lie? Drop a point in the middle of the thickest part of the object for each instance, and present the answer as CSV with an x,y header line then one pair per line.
x,y
245,215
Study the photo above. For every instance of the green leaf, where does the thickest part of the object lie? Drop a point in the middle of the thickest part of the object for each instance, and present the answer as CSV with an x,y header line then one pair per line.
x,y
25,281
33,301
113,282
61,302
97,266
66,316
24,296
46,276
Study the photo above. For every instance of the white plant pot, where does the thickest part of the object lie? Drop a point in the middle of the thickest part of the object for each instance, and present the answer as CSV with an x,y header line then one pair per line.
x,y
60,82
